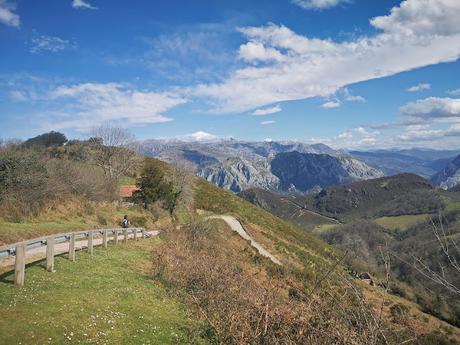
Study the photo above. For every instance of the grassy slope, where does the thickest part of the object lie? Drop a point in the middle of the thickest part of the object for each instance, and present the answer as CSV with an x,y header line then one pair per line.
x,y
285,207
72,216
287,238
107,298
401,222
308,253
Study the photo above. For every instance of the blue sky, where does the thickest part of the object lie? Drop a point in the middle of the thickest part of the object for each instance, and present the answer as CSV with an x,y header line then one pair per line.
x,y
348,73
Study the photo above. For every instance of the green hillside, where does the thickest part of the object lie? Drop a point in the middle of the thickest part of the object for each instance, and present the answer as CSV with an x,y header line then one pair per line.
x,y
198,282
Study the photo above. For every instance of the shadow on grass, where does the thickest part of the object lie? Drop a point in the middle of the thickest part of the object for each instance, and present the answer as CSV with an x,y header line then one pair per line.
x,y
8,276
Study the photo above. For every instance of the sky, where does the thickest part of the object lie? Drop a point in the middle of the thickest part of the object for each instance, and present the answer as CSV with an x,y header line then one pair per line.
x,y
353,74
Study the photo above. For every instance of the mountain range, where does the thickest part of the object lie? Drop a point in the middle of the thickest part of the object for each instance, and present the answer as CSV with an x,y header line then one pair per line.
x,y
288,167
296,167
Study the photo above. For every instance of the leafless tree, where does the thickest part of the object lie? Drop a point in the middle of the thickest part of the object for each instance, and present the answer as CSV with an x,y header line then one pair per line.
x,y
115,150
448,242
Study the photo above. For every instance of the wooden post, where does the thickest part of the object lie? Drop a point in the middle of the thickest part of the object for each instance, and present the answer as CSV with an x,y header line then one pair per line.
x,y
115,236
72,247
104,238
90,242
20,264
135,234
143,233
125,233
50,254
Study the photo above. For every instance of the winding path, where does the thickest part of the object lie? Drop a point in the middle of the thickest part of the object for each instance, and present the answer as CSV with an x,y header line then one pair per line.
x,y
235,225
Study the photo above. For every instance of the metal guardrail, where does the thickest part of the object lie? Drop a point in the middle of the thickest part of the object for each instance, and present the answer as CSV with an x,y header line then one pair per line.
x,y
10,249
19,250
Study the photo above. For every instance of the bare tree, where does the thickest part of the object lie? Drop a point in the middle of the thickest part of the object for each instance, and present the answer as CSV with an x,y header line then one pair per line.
x,y
449,243
115,150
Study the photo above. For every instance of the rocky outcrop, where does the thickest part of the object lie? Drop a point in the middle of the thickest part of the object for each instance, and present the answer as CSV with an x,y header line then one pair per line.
x,y
449,177
279,166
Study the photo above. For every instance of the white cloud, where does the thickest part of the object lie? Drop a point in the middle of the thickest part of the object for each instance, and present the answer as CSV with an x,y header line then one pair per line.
x,y
419,87
318,4
89,104
7,15
45,43
331,104
455,92
426,134
352,98
267,111
433,108
254,51
81,4
198,136
415,34
269,122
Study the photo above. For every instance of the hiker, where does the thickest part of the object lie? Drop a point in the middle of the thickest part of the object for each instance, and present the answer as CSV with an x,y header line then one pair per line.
x,y
125,222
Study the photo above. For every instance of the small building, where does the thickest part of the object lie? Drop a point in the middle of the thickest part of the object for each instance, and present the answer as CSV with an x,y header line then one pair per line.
x,y
126,192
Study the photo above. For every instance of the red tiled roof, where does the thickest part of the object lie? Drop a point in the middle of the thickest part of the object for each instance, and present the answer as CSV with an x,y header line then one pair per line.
x,y
127,191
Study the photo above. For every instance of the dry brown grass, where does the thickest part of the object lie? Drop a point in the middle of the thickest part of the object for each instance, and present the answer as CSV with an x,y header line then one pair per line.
x,y
245,299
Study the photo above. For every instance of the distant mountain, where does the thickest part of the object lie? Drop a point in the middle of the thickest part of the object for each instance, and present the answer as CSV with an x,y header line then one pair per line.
x,y
449,177
388,196
423,162
280,166
286,207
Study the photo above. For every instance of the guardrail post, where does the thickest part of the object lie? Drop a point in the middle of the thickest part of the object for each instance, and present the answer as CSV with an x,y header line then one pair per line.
x,y
72,247
125,233
90,242
135,234
115,236
50,254
143,233
20,264
104,238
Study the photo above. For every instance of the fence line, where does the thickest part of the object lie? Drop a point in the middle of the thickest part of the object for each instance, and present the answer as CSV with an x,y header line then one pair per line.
x,y
19,250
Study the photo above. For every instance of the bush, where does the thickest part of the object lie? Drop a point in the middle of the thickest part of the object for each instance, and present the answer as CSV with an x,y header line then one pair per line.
x,y
23,183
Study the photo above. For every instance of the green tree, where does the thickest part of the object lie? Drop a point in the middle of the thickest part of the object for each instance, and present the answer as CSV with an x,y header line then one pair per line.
x,y
47,139
152,184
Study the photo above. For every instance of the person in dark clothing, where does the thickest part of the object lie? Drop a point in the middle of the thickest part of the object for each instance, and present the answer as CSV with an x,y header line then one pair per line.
x,y
125,223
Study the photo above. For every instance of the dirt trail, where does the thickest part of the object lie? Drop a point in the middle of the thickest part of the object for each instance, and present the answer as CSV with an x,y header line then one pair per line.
x,y
304,209
39,253
235,225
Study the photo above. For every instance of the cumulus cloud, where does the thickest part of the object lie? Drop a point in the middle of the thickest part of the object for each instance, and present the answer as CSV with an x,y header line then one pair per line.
x,y
254,52
44,43
89,104
267,111
419,87
81,4
291,66
433,108
331,104
7,15
269,122
319,4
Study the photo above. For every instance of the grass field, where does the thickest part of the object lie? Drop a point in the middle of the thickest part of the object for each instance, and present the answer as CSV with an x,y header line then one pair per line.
x,y
401,222
104,299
